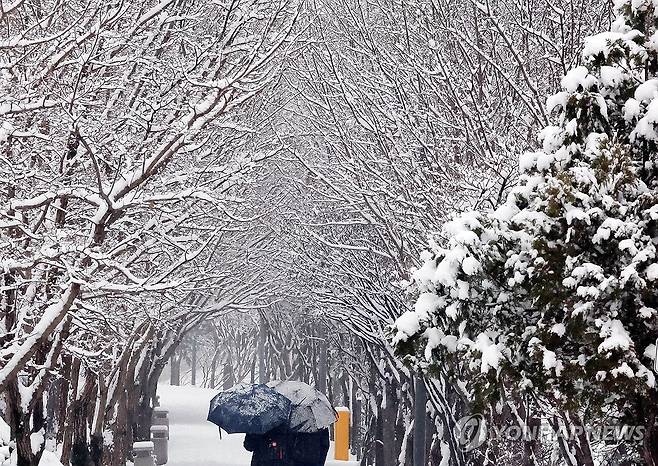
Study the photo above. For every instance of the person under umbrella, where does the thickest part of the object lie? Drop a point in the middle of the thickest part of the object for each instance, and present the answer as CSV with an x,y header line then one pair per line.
x,y
260,412
310,418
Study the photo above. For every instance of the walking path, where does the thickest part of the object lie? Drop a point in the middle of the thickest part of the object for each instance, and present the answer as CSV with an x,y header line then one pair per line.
x,y
192,439
195,441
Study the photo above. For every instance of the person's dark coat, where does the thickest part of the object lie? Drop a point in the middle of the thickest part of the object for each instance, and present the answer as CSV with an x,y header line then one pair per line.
x,y
310,449
270,449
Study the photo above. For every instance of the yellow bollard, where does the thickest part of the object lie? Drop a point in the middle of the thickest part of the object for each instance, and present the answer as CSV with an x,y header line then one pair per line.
x,y
342,434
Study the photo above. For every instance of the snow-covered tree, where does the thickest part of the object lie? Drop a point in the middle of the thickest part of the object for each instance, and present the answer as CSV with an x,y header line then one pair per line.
x,y
412,110
126,138
554,292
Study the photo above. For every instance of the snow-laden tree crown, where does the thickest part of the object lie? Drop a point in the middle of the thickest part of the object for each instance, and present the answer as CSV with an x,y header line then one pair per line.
x,y
225,191
554,291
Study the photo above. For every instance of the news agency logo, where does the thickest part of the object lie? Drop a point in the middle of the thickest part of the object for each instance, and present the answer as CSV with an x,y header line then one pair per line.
x,y
470,432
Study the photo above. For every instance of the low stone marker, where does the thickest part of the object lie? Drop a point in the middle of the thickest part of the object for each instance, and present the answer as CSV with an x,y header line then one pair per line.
x,y
159,438
160,418
143,453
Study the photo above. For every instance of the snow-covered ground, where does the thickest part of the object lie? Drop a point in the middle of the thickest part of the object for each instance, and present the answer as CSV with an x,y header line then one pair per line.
x,y
192,439
195,441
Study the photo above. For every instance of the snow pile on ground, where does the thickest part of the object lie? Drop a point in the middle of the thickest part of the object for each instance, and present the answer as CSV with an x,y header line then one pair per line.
x,y
195,441
49,459
331,462
4,443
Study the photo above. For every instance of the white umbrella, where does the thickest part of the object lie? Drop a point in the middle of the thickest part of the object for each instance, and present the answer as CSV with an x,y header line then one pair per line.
x,y
311,410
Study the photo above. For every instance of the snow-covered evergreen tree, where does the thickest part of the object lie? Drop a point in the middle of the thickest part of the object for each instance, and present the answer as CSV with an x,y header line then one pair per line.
x,y
555,292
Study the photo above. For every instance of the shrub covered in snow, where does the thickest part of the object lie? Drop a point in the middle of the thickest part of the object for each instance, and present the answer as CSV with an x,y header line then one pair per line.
x,y
555,292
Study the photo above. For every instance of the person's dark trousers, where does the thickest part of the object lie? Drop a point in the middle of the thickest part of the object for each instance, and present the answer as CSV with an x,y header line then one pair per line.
x,y
310,449
270,449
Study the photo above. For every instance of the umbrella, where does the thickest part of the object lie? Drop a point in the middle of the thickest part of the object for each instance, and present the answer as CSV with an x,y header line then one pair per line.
x,y
311,410
250,409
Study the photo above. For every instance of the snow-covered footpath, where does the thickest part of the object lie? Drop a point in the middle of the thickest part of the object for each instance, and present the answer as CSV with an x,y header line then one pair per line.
x,y
192,439
195,441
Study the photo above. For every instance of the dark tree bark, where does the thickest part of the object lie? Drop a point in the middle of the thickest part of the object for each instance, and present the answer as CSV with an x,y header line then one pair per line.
x,y
389,418
96,449
52,406
19,423
213,369
420,415
262,338
80,451
228,376
67,425
322,363
63,397
356,425
194,360
649,410
174,376
380,453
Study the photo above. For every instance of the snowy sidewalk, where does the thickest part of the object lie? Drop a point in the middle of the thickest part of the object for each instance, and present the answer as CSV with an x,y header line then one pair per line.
x,y
195,441
192,439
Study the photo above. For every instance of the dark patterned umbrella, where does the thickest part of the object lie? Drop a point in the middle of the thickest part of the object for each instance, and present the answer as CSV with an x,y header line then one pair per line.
x,y
249,409
311,410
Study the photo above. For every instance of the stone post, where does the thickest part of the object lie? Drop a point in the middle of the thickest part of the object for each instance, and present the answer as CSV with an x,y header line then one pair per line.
x,y
159,437
143,453
160,418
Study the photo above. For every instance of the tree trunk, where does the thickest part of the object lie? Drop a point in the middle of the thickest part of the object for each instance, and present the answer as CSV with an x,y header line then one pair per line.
x,y
650,442
262,337
420,415
96,449
52,406
430,433
19,424
174,376
253,368
63,396
194,360
139,407
436,455
356,425
116,453
98,423
67,427
213,369
389,413
80,452
380,454
322,362
583,451
228,376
